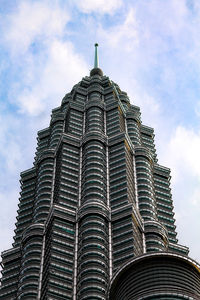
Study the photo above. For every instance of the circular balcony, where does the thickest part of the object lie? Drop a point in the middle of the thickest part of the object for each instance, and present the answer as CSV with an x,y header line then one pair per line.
x,y
157,276
33,230
95,208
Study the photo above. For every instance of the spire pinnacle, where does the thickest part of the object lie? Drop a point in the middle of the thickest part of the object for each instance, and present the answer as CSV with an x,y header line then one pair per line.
x,y
96,70
96,58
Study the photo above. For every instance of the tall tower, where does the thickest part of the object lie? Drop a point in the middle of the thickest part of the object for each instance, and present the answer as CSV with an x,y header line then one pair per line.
x,y
95,218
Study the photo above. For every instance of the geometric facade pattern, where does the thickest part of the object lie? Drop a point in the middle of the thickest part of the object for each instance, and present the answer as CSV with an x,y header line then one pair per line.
x,y
95,200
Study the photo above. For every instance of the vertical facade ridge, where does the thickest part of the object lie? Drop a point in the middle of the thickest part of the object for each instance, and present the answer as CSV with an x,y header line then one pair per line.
x,y
95,200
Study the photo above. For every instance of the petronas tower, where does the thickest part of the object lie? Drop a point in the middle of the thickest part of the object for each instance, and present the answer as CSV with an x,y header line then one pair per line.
x,y
95,218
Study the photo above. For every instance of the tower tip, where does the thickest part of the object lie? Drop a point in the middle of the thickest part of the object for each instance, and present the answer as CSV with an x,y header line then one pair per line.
x,y
96,58
96,69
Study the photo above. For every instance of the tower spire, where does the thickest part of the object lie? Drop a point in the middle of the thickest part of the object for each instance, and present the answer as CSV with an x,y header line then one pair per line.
x,y
96,70
96,58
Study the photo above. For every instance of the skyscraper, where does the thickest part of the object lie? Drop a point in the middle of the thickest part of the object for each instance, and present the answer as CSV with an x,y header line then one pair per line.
x,y
95,217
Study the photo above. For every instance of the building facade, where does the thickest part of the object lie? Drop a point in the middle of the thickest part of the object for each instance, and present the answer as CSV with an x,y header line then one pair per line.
x,y
95,207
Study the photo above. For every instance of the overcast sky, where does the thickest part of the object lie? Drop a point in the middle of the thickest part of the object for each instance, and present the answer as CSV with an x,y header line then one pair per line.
x,y
151,48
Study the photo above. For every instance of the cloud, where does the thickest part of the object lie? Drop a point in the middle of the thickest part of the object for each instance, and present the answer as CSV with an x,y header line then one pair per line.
x,y
155,34
51,79
45,64
125,34
10,153
99,6
150,48
8,216
34,22
182,153
195,197
149,105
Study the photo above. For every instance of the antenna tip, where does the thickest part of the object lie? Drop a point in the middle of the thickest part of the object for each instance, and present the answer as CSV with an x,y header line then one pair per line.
x,y
96,44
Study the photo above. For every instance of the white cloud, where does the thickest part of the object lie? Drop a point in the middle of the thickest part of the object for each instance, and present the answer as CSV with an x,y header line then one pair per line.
x,y
10,153
182,153
148,49
49,65
195,197
99,6
154,34
33,22
49,81
124,34
149,106
8,200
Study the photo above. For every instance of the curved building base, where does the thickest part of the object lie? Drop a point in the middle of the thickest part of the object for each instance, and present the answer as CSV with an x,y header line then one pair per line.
x,y
157,276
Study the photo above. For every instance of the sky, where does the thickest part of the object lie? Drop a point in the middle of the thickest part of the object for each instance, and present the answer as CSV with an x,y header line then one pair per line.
x,y
151,48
